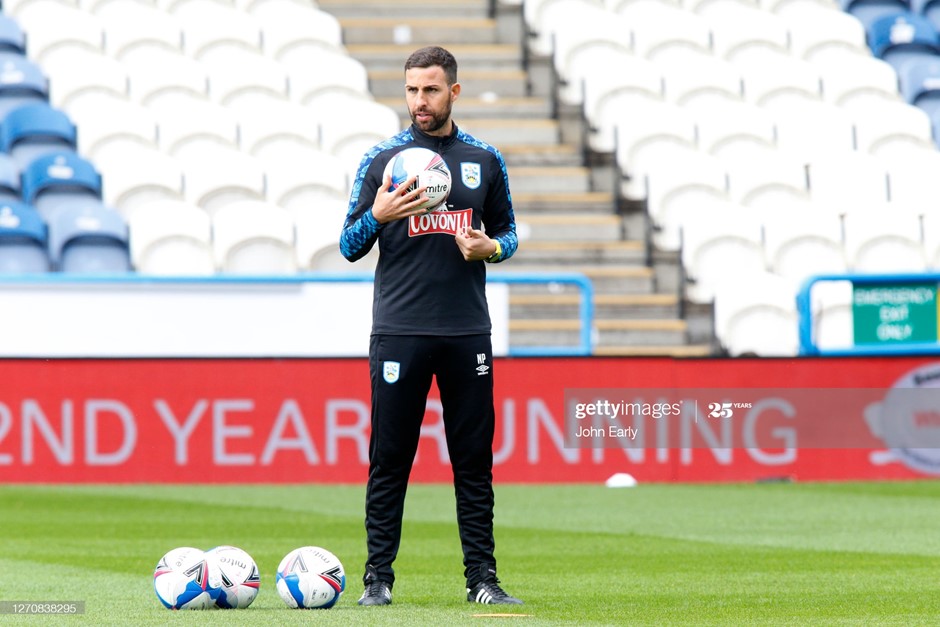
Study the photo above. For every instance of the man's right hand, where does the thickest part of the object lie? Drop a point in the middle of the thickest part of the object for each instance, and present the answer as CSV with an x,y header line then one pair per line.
x,y
399,204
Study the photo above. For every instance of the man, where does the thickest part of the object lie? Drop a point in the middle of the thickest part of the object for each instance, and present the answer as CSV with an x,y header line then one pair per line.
x,y
430,318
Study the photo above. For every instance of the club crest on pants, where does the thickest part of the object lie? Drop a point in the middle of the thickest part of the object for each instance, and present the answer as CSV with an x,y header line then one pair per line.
x,y
390,371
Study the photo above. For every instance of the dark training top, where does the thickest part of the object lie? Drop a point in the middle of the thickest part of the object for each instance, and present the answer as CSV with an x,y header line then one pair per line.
x,y
423,285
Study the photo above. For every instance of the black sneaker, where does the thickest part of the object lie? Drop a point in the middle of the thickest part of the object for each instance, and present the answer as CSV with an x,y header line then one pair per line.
x,y
377,592
488,591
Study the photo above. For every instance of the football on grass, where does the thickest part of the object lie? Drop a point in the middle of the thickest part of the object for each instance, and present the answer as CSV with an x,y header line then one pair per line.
x,y
234,574
310,578
433,174
181,580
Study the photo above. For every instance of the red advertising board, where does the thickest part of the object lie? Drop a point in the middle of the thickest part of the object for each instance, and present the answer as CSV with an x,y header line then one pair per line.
x,y
307,420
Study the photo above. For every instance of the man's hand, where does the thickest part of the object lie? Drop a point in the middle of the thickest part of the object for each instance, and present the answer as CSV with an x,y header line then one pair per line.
x,y
474,244
398,204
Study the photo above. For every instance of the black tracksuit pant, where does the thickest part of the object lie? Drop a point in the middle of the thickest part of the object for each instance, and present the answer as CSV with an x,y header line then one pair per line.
x,y
401,370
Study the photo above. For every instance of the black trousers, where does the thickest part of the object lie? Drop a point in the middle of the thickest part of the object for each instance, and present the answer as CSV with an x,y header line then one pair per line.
x,y
401,370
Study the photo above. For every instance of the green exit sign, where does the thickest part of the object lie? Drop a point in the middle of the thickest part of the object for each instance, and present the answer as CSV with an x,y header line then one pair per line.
x,y
893,314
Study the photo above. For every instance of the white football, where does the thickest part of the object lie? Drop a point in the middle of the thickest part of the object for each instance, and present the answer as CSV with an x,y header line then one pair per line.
x,y
433,174
234,573
181,580
310,577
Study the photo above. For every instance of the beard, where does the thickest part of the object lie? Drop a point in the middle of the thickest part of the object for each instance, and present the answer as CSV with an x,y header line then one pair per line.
x,y
437,121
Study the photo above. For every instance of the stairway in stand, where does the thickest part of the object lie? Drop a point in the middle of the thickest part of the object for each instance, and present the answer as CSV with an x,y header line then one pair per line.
x,y
565,220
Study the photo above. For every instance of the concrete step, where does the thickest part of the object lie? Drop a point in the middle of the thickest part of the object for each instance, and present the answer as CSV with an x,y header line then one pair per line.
x,y
619,306
532,202
485,56
475,83
607,279
567,179
411,31
538,154
582,251
678,351
614,332
567,226
385,8
507,132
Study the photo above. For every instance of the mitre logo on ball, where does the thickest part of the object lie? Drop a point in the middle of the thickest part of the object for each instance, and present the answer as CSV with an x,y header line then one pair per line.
x,y
433,174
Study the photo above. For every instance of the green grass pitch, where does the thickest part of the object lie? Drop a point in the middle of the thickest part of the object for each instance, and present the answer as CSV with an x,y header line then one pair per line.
x,y
732,554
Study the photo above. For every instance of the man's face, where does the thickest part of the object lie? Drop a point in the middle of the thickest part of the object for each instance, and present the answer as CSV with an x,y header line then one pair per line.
x,y
430,99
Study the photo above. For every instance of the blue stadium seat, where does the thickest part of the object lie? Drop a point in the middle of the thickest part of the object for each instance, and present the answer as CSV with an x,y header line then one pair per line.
x,y
867,11
902,36
12,38
32,130
21,82
10,188
23,239
60,178
929,9
89,238
920,84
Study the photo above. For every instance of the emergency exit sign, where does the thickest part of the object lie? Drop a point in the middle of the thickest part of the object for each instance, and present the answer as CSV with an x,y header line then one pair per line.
x,y
894,314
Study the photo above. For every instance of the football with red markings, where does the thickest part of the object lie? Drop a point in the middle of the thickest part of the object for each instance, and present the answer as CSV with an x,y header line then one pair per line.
x,y
310,577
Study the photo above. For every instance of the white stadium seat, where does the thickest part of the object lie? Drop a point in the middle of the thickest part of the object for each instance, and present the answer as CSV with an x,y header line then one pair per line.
x,y
252,237
171,238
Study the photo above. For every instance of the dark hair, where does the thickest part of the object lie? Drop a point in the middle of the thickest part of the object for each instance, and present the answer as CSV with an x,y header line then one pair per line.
x,y
431,56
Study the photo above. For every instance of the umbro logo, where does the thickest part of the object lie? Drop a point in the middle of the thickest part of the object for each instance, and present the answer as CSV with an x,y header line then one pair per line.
x,y
482,368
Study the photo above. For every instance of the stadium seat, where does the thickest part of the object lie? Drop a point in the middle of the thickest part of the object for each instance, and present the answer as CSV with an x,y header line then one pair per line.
x,y
780,81
247,81
717,243
690,183
701,81
869,11
291,27
848,181
734,130
813,128
80,73
785,7
90,238
21,82
542,18
648,136
771,180
60,179
581,54
252,237
850,78
350,126
11,188
33,130
161,78
900,37
929,9
338,73
12,37
170,237
300,177
930,224
668,34
132,28
612,95
214,176
912,179
212,30
817,32
742,32
187,126
920,84
279,123
756,315
137,173
884,239
886,128
318,227
111,124
57,29
23,240
803,241
831,311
